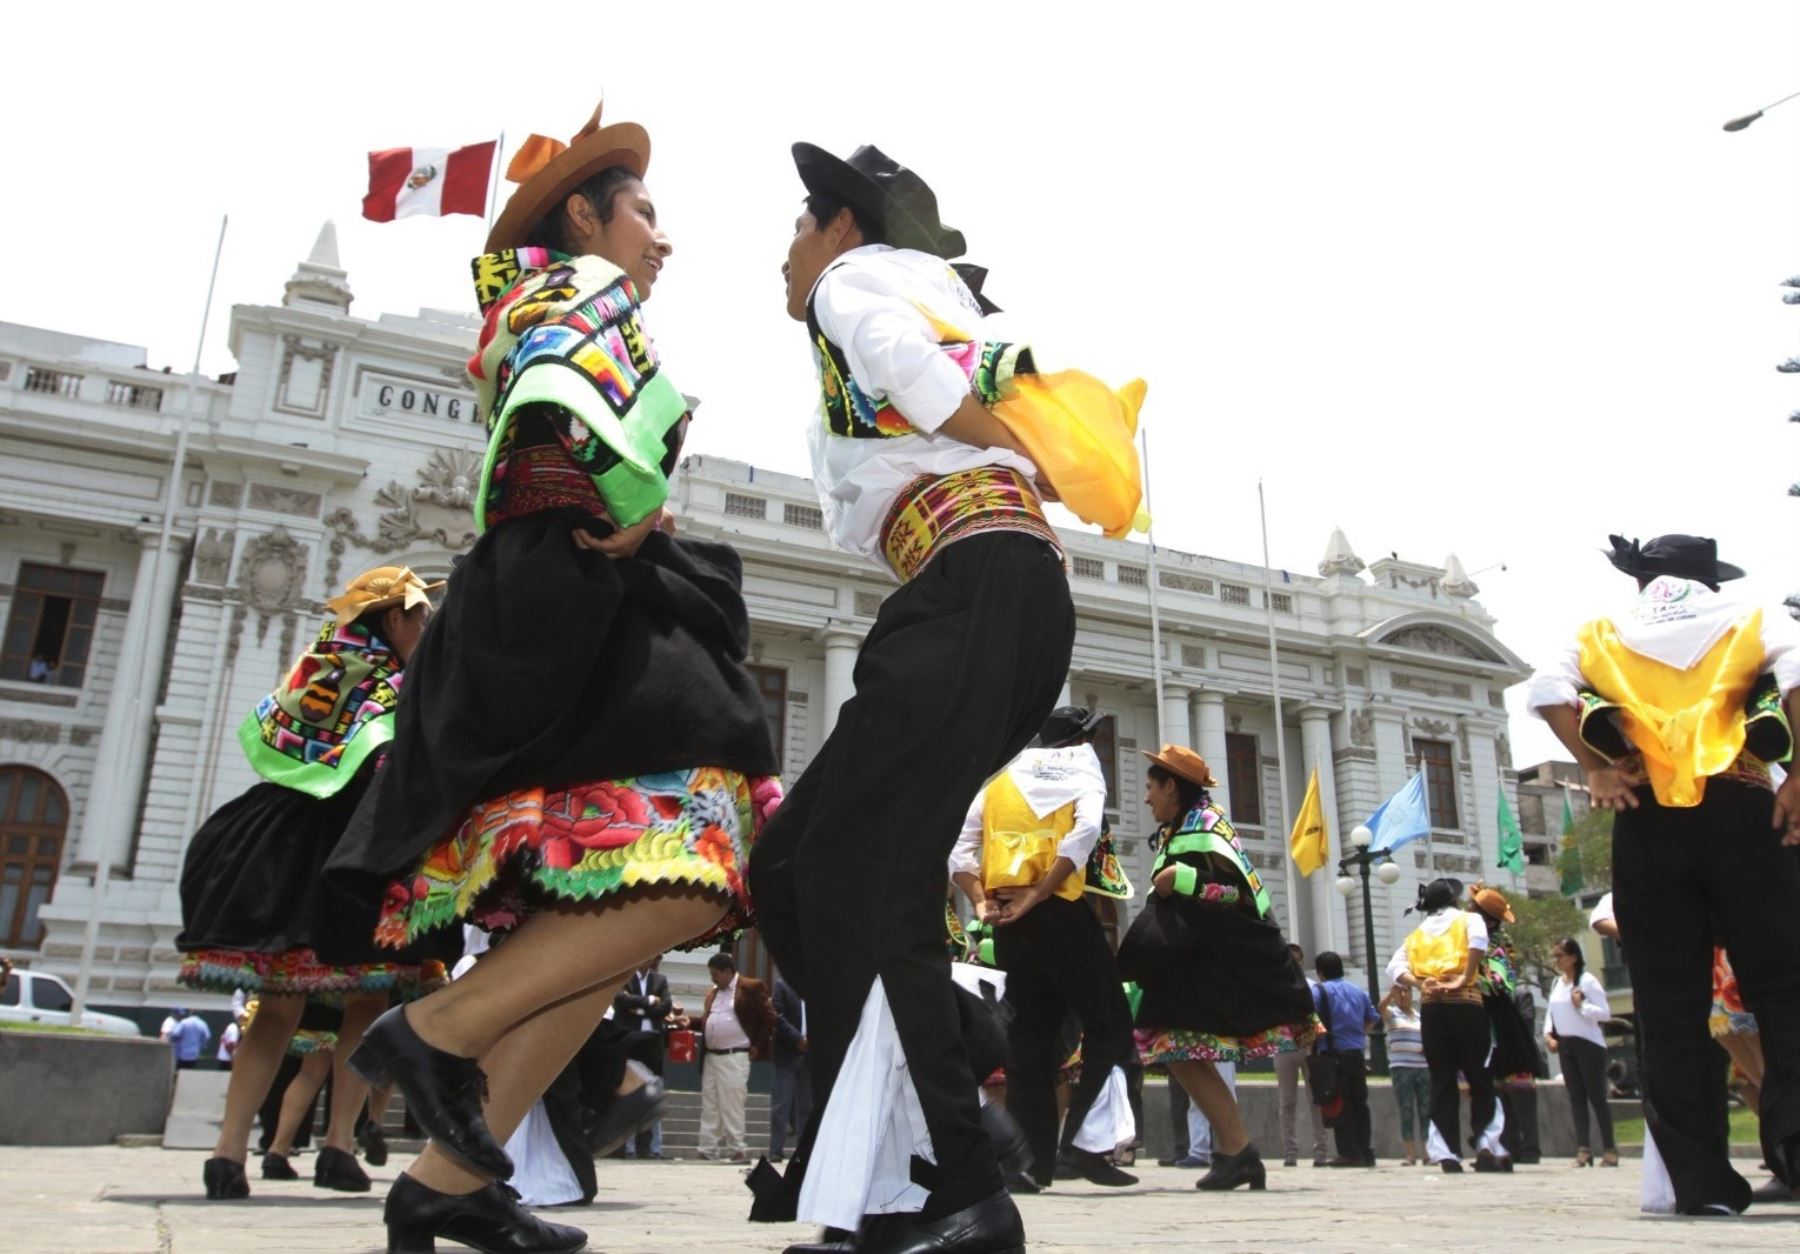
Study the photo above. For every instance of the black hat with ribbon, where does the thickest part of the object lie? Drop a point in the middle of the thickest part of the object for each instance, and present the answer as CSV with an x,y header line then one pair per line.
x,y
877,186
1067,725
1685,557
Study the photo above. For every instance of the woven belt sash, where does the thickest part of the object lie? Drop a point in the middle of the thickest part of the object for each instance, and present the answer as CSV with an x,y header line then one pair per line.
x,y
931,513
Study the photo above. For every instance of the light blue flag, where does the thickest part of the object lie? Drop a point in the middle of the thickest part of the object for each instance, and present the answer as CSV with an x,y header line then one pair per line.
x,y
1402,818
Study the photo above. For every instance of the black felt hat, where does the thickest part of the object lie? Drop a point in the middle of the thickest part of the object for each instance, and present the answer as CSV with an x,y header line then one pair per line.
x,y
1068,724
1686,557
876,185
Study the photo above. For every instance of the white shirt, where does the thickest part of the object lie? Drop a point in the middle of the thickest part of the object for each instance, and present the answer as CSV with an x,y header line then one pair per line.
x,y
1602,911
1048,779
1583,1022
1674,621
1436,925
228,1042
867,303
723,1031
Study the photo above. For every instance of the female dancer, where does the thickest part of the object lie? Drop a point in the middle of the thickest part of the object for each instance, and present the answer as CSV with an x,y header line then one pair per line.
x,y
1230,990
256,913
584,757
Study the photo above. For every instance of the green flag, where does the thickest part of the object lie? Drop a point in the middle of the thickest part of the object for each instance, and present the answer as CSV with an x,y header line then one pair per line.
x,y
1572,878
1512,840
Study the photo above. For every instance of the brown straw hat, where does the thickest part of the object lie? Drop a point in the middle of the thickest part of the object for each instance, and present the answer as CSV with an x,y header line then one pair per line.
x,y
379,589
1491,902
547,170
1183,761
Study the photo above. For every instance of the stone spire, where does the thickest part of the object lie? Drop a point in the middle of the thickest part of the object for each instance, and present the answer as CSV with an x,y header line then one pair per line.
x,y
319,282
1340,559
1456,580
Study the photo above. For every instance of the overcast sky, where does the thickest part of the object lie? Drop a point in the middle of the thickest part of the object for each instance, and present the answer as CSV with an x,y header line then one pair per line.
x,y
1483,279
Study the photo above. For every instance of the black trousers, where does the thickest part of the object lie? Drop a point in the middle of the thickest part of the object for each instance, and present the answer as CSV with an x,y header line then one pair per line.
x,y
1355,1132
1683,879
1584,1075
962,667
1520,1136
1455,1036
1057,960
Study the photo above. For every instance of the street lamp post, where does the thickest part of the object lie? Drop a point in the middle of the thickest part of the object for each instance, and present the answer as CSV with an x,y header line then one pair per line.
x,y
1387,872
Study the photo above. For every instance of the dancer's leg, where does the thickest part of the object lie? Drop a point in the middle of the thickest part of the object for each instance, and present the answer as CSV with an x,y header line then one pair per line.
x,y
1216,1101
298,1099
1746,1052
253,1070
348,1090
562,950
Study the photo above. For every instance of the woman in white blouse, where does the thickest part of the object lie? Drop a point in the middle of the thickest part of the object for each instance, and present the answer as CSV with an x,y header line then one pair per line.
x,y
1577,1009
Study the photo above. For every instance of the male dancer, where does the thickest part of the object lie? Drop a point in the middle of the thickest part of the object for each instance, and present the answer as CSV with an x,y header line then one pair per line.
x,y
1674,709
1021,862
961,668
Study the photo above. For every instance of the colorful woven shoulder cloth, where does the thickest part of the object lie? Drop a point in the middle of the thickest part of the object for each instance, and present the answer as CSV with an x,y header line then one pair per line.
x,y
567,332
333,710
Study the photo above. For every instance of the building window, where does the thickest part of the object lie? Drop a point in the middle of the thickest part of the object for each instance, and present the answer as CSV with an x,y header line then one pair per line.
x,y
737,505
809,516
1106,747
133,396
771,685
1133,576
1281,602
1184,583
51,627
1089,568
34,814
1440,781
55,382
1536,854
1234,594
1243,776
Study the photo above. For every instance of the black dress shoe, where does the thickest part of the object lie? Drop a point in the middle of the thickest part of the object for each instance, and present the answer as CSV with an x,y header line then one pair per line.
x,y
1023,1186
1231,1170
277,1167
337,1170
1011,1150
443,1091
1098,1169
374,1144
224,1180
989,1227
627,1116
490,1220
1486,1161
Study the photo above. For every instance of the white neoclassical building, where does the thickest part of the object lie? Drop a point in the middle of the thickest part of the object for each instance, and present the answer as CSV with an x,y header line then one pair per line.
x,y
340,442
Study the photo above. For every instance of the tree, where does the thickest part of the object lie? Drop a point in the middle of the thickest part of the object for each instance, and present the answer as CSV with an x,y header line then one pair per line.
x,y
1585,857
1538,924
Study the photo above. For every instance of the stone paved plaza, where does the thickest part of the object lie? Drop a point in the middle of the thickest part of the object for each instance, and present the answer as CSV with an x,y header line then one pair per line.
x,y
146,1201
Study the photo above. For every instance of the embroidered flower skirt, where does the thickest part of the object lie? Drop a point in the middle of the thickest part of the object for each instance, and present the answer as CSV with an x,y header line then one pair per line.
x,y
1158,1047
1730,1017
514,853
300,972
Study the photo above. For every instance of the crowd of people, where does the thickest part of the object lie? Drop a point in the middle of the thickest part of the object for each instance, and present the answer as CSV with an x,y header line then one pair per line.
x,y
590,799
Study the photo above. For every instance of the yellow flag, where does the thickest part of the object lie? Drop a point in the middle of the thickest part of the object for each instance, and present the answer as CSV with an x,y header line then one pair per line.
x,y
1307,844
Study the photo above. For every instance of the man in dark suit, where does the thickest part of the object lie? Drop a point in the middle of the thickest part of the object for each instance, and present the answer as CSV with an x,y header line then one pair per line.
x,y
791,1101
641,1006
738,1027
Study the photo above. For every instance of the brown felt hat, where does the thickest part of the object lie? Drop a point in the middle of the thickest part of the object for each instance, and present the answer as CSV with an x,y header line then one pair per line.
x,y
1183,761
547,170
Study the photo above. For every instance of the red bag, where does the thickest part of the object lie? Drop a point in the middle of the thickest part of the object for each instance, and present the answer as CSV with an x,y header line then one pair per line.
x,y
681,1045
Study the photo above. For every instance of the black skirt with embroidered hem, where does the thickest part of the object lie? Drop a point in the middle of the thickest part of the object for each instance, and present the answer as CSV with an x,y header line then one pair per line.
x,y
258,914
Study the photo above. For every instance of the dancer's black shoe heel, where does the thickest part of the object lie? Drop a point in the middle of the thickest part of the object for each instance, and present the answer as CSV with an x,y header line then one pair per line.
x,y
1231,1170
443,1091
224,1180
490,1220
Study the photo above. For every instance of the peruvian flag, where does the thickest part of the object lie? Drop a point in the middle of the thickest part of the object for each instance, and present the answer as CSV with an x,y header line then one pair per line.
x,y
435,181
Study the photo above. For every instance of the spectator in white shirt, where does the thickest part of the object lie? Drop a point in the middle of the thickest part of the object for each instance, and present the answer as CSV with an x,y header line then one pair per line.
x,y
739,1020
1577,1009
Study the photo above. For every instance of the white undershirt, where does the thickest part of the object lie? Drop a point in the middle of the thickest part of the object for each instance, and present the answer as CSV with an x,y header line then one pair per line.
x,y
723,1031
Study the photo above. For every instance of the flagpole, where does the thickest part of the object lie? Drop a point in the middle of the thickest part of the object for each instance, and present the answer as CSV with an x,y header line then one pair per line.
x,y
1156,659
1281,793
103,861
494,180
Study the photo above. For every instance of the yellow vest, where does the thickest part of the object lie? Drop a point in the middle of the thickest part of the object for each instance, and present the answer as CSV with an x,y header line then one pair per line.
x,y
1017,847
1440,957
1689,723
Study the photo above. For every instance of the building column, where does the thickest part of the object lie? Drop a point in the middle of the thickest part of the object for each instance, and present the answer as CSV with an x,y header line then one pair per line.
x,y
1208,708
1315,748
130,706
840,673
1176,728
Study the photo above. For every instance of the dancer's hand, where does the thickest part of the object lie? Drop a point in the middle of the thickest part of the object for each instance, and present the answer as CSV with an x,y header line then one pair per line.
x,y
1787,808
626,541
1609,788
1016,903
1164,882
987,910
1550,1042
